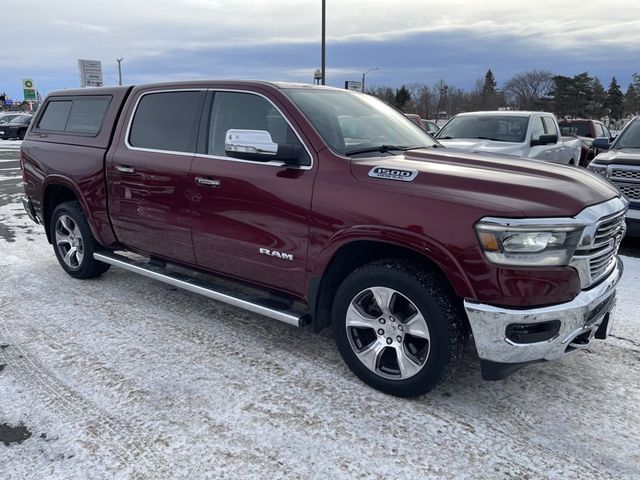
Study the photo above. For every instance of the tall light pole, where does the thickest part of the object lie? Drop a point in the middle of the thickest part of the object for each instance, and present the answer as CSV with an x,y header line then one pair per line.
x,y
324,31
119,60
364,74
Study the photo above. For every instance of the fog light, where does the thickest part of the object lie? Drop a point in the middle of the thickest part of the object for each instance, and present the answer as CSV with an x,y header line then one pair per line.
x,y
525,333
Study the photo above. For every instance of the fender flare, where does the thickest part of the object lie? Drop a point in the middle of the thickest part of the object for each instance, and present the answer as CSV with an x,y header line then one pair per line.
x,y
423,245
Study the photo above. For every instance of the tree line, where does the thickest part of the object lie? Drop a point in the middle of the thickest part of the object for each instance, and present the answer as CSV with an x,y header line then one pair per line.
x,y
580,96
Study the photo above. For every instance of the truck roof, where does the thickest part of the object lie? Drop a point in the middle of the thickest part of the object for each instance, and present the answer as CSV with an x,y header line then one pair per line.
x,y
193,83
508,113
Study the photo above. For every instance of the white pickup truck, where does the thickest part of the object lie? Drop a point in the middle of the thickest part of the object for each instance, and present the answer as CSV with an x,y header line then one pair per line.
x,y
522,134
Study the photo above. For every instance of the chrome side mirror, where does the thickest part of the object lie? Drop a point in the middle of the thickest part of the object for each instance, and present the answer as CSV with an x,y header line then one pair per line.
x,y
257,145
238,143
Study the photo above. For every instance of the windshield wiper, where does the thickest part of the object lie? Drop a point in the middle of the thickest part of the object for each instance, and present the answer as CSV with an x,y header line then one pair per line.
x,y
384,149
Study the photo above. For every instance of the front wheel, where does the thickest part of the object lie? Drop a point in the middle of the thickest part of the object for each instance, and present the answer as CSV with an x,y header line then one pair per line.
x,y
397,328
74,243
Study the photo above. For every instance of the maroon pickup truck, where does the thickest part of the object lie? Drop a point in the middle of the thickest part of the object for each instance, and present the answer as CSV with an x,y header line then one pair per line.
x,y
325,207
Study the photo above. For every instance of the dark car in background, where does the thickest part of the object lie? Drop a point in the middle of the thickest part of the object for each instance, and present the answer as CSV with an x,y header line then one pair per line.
x,y
16,127
586,131
620,163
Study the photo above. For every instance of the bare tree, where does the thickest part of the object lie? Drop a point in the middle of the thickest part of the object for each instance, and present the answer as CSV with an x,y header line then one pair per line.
x,y
525,90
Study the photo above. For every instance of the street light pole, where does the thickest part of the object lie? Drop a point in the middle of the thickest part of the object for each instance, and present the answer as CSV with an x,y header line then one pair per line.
x,y
119,60
364,74
324,31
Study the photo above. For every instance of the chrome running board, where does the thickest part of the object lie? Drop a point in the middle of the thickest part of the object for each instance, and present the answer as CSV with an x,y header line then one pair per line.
x,y
267,306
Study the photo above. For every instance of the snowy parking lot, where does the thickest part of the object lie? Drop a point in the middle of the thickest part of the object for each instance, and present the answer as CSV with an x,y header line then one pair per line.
x,y
124,377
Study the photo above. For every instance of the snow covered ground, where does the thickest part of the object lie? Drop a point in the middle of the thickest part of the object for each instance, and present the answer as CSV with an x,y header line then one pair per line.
x,y
124,377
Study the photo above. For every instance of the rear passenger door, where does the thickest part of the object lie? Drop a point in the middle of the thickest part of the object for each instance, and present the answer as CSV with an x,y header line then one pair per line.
x,y
251,218
148,175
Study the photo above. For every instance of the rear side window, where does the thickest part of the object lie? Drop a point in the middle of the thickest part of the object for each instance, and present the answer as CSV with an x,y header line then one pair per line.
x,y
82,115
167,121
55,116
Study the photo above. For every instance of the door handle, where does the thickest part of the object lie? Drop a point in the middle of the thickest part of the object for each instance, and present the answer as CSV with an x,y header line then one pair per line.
x,y
207,182
123,169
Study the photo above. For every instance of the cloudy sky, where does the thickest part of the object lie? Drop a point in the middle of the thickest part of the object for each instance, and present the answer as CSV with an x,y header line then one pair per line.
x,y
408,40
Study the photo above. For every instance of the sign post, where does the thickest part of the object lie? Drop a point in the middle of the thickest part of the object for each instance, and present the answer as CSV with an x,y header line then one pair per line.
x,y
90,73
353,85
29,89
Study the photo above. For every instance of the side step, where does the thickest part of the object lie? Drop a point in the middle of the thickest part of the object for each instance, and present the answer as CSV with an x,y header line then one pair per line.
x,y
263,306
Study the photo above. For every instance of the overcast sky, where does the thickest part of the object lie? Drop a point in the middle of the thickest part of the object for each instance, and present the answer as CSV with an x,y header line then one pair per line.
x,y
408,40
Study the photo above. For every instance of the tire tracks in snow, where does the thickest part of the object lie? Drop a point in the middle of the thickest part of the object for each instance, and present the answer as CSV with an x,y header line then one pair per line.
x,y
128,452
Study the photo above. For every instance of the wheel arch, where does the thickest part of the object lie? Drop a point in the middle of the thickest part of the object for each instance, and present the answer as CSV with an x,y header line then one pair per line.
x,y
347,254
56,190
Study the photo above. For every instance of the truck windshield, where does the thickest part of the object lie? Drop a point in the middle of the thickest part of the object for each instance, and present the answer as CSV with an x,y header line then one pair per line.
x,y
499,128
630,137
354,124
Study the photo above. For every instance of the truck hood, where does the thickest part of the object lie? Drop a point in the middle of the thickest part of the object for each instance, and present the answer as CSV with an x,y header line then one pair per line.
x,y
479,145
624,156
499,185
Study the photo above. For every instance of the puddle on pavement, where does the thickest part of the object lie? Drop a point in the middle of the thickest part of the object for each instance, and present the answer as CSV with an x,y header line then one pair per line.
x,y
10,435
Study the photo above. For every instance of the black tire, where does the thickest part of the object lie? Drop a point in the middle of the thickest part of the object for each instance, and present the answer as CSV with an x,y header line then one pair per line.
x,y
21,134
69,229
424,290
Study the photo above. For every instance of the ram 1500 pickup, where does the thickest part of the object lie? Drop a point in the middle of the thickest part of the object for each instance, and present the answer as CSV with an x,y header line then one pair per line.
x,y
522,134
257,194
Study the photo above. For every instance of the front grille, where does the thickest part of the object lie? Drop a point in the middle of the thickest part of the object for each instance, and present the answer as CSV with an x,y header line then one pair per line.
x,y
627,179
599,258
632,192
624,173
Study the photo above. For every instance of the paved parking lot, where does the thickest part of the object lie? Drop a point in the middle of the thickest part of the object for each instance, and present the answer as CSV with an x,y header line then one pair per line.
x,y
124,377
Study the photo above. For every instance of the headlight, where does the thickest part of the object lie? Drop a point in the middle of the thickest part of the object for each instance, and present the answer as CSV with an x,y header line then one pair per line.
x,y
526,244
600,169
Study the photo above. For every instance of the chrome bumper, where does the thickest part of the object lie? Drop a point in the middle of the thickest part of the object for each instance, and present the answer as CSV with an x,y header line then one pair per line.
x,y
579,320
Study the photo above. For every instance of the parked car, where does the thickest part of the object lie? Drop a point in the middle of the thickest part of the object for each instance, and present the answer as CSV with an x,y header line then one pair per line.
x,y
586,131
6,117
620,163
415,119
399,245
16,127
523,134
431,127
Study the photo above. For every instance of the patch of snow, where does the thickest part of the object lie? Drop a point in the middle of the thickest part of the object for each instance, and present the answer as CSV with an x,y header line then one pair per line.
x,y
125,377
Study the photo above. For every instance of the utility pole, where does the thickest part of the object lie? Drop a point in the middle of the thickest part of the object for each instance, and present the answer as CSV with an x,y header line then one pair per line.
x,y
324,31
364,74
119,60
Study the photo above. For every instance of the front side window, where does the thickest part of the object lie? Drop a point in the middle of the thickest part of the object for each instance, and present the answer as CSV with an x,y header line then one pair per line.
x,y
167,121
246,111
353,123
549,126
499,128
630,137
537,128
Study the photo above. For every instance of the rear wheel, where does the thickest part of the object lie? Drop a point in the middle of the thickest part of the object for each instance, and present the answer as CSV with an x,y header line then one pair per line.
x,y
74,243
396,327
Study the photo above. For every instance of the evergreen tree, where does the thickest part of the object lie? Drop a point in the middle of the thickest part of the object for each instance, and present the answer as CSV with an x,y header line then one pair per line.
x,y
402,97
597,106
615,100
489,92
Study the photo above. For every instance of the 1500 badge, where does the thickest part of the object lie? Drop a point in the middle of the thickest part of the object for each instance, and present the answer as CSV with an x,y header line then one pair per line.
x,y
393,174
